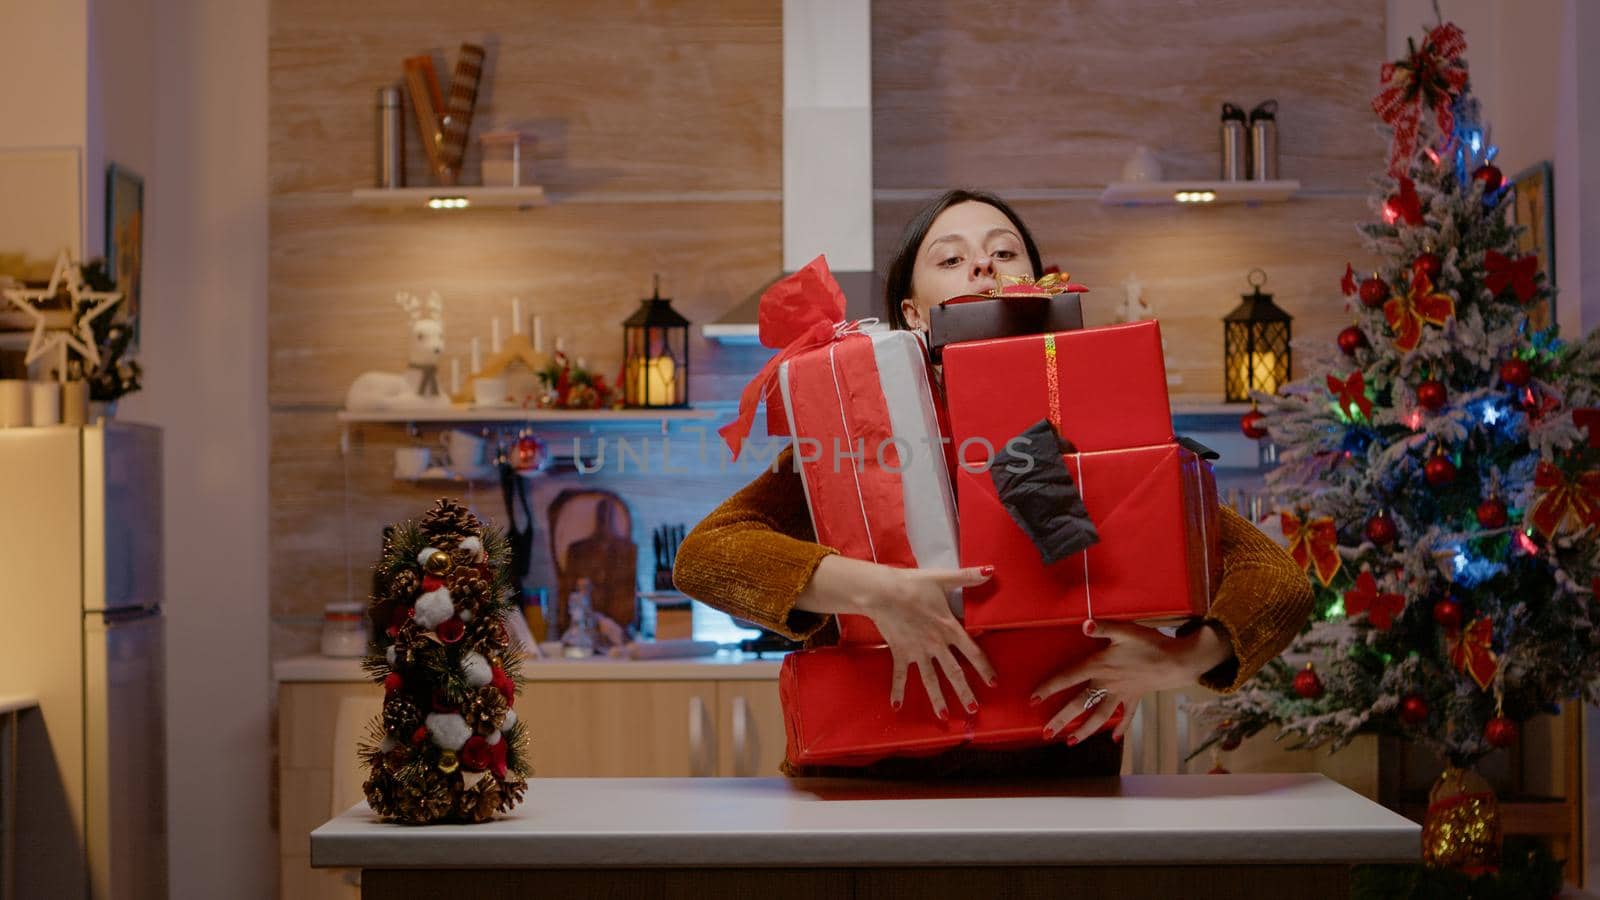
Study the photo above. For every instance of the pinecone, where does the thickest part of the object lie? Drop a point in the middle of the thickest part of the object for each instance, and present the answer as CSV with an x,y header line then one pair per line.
x,y
401,715
425,799
480,802
484,710
486,633
511,794
468,588
379,790
448,524
403,586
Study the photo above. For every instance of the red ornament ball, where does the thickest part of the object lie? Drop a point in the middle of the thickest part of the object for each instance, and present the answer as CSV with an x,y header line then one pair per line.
x,y
420,735
1373,292
1413,709
475,754
1381,530
1218,769
1250,424
1432,394
1492,513
1500,732
392,682
1307,684
1231,742
1427,264
1447,612
1490,176
1352,339
1516,372
1439,471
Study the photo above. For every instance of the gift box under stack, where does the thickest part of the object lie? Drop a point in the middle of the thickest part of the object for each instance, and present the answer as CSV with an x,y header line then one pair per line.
x,y
1152,500
836,701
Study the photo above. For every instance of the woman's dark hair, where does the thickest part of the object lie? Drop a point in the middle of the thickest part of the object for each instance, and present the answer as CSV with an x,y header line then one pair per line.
x,y
905,256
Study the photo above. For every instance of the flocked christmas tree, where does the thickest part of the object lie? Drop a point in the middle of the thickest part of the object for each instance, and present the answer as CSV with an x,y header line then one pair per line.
x,y
448,746
1439,476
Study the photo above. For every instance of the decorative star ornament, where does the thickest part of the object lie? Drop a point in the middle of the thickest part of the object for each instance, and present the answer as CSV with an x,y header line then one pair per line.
x,y
80,336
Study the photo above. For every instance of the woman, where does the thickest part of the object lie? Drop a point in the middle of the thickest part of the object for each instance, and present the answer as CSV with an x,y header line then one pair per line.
x,y
756,558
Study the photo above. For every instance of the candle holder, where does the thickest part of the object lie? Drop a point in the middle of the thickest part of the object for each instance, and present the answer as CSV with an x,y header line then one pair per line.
x,y
1256,354
655,354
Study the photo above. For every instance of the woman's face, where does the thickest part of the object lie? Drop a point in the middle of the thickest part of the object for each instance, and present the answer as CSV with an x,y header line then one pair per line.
x,y
966,247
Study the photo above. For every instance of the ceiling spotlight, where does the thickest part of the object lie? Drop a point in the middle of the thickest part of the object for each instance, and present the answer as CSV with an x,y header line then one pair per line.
x,y
447,203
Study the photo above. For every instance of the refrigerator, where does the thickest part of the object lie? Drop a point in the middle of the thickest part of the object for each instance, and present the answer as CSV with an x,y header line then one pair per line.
x,y
81,591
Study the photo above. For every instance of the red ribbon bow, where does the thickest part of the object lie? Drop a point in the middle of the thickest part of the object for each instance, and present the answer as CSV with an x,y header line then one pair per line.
x,y
798,313
1589,420
1406,312
1380,608
1352,394
1517,274
1472,653
1432,75
1564,504
1314,544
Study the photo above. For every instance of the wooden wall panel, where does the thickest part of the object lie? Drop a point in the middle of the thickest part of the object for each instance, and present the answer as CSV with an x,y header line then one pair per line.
x,y
1013,94
620,95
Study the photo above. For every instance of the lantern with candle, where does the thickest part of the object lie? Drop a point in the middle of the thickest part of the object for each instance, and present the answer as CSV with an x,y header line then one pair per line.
x,y
1255,344
655,354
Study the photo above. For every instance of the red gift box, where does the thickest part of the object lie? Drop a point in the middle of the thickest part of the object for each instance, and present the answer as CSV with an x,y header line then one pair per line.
x,y
1103,389
836,701
1158,558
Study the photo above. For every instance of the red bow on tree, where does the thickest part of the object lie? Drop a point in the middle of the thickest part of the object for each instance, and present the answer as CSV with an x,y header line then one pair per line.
x,y
1348,283
1506,272
1561,503
1314,544
1430,76
1472,653
1380,608
1589,419
1406,312
1351,394
1405,206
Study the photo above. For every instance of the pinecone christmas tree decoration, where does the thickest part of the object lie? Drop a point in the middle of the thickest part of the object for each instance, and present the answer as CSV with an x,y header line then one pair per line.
x,y
446,746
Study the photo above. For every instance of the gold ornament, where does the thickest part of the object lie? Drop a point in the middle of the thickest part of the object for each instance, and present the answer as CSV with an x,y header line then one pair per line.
x,y
437,563
448,762
1461,829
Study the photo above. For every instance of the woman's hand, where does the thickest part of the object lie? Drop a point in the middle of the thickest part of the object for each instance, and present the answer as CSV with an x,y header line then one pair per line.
x,y
1137,661
910,609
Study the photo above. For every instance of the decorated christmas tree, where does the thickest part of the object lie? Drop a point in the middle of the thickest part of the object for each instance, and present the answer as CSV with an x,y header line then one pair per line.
x,y
448,746
1439,476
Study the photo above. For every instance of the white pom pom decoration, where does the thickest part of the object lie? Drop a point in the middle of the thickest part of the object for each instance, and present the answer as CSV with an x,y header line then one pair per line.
x,y
388,654
473,544
475,669
492,739
466,615
509,720
448,730
434,607
422,556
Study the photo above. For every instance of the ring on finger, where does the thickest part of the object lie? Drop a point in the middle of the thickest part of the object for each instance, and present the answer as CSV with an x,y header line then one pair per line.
x,y
1094,697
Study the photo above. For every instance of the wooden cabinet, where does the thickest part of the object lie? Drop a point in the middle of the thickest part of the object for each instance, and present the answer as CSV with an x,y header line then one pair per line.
x,y
750,735
597,729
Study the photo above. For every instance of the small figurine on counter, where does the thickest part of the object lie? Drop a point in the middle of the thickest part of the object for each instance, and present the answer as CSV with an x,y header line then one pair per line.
x,y
420,387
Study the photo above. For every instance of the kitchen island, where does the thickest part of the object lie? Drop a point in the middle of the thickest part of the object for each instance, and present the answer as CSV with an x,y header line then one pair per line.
x,y
1237,836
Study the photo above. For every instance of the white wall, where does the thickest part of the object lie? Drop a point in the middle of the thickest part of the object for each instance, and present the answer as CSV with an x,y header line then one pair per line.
x,y
180,93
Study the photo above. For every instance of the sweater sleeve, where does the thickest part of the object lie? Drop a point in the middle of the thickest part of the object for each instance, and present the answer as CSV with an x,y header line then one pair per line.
x,y
1262,602
754,554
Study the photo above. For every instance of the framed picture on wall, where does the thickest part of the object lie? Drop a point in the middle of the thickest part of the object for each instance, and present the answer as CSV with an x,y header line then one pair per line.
x,y
125,241
1532,206
40,216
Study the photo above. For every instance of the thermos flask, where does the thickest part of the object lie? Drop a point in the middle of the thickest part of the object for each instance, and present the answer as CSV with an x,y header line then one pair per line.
x,y
1235,165
1264,142
391,133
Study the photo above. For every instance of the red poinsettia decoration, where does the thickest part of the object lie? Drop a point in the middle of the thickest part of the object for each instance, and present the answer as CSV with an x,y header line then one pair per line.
x,y
1472,651
1404,206
1429,78
1563,504
1351,394
1517,274
1406,312
503,683
1381,608
1314,544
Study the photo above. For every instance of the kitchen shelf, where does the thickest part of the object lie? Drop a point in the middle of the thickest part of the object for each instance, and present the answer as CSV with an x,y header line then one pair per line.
x,y
517,415
475,197
1167,193
737,335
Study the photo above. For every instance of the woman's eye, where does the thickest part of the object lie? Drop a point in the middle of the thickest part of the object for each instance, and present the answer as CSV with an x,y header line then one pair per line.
x,y
1005,254
952,261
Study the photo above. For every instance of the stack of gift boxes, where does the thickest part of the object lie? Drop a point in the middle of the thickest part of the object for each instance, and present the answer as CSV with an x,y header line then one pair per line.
x,y
1034,426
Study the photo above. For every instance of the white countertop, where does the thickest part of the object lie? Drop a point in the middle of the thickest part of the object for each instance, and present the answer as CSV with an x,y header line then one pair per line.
x,y
1138,819
724,666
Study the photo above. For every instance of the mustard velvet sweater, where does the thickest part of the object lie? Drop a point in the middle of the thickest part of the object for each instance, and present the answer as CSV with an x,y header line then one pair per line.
x,y
753,555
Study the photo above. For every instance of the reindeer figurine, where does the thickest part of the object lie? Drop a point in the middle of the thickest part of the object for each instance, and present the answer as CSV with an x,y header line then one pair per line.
x,y
390,390
427,338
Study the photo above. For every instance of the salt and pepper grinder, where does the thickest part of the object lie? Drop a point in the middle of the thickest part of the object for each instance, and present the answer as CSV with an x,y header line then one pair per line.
x,y
1235,148
1264,142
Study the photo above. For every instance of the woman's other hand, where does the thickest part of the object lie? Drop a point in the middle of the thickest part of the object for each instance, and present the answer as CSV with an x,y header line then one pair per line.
x,y
911,610
1137,660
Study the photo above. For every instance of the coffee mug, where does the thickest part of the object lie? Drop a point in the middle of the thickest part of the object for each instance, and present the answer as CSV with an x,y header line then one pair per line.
x,y
45,402
13,403
411,462
463,450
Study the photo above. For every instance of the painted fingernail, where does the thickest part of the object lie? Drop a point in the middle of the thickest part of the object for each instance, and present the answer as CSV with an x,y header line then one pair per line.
x,y
1049,733
1117,738
1088,626
1072,740
986,571
1035,700
994,682
972,707
944,714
